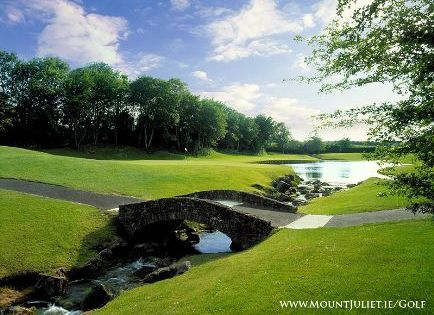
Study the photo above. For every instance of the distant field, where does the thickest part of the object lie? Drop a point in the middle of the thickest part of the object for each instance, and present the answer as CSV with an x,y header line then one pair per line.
x,y
130,172
41,234
373,262
362,198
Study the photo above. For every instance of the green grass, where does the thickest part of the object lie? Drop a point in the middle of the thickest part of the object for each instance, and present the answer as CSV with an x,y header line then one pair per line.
x,y
114,153
145,178
373,262
361,198
41,234
342,156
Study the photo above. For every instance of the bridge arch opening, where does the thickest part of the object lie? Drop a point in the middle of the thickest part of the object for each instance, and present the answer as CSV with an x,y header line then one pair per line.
x,y
243,229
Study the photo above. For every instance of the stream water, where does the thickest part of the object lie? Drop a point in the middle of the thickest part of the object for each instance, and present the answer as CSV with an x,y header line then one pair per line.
x,y
122,277
213,242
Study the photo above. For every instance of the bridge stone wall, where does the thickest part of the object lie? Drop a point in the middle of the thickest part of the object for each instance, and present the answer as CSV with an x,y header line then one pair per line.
x,y
244,230
244,197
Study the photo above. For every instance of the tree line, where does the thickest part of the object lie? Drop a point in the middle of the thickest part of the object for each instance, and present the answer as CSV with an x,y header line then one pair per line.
x,y
44,103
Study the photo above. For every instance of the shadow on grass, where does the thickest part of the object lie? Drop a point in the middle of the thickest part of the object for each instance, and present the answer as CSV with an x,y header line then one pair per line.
x,y
96,241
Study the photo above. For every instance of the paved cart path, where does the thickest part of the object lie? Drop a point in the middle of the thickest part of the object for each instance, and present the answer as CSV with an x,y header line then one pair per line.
x,y
98,200
277,218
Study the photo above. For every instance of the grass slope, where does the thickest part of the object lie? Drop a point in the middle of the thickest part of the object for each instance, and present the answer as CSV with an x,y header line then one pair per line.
x,y
361,198
373,262
142,177
41,234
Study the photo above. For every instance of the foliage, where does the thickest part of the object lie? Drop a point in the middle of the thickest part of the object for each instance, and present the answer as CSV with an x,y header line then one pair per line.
x,y
389,41
35,94
282,136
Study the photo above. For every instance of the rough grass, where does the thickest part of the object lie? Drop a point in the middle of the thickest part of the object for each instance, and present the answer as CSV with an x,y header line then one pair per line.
x,y
41,234
144,178
365,197
374,262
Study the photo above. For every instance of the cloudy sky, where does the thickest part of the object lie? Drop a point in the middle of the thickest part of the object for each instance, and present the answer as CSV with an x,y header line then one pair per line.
x,y
238,52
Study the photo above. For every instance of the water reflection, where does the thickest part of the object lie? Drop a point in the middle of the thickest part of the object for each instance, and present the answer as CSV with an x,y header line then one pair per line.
x,y
213,242
338,172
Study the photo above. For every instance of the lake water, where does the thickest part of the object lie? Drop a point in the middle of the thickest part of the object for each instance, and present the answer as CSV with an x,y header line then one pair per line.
x,y
338,172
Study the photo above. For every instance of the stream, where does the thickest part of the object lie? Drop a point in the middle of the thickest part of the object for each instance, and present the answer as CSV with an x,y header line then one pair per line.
x,y
122,277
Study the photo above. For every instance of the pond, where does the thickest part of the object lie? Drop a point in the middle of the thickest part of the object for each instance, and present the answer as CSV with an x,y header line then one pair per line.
x,y
337,172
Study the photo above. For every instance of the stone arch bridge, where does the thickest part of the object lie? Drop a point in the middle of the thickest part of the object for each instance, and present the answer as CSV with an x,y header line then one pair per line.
x,y
244,229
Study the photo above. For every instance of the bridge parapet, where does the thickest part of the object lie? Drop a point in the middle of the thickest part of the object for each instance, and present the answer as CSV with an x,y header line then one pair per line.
x,y
244,197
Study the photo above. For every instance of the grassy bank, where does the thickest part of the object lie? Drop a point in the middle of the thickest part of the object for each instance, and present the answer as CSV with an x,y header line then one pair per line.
x,y
365,197
167,175
342,156
41,234
373,262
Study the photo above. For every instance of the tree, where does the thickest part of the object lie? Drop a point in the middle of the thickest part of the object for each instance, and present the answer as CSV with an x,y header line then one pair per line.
x,y
212,123
249,132
76,108
119,111
189,121
266,127
7,65
233,134
389,41
157,103
37,92
313,145
107,89
282,136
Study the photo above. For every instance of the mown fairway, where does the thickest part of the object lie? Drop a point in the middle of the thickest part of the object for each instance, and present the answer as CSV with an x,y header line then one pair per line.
x,y
373,262
41,234
139,175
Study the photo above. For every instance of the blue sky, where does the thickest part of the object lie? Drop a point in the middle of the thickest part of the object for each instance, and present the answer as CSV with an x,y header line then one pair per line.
x,y
238,52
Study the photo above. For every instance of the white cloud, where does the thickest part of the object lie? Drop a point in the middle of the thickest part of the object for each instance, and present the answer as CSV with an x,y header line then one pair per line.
x,y
75,35
241,97
13,15
300,63
251,100
325,10
289,111
308,20
209,12
250,31
140,64
81,37
180,4
202,75
183,65
259,47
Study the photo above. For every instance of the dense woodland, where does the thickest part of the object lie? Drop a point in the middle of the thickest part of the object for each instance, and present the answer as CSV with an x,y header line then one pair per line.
x,y
44,103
